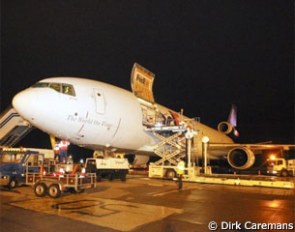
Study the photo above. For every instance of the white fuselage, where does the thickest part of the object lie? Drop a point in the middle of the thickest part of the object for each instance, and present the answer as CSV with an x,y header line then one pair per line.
x,y
94,114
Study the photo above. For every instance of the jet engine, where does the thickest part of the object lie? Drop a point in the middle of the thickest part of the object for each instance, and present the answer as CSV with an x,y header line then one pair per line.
x,y
241,158
225,127
137,160
228,129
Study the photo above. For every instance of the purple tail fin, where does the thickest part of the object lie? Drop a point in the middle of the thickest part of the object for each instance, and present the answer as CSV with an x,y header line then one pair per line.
x,y
232,119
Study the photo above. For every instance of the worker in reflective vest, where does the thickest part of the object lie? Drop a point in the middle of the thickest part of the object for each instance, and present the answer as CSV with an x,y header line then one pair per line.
x,y
63,151
180,172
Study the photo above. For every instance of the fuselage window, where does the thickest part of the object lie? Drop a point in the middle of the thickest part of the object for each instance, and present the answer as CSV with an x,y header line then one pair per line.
x,y
68,89
55,86
41,85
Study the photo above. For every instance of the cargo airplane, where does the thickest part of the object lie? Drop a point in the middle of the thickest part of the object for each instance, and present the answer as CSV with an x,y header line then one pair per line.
x,y
101,116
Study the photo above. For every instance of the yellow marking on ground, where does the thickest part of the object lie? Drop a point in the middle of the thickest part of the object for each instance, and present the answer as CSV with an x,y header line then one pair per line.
x,y
118,215
175,190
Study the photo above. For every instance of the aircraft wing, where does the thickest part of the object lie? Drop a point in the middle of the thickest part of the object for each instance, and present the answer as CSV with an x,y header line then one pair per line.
x,y
253,147
242,156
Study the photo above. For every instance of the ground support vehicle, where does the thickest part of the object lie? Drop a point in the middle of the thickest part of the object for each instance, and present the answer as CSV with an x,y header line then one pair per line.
x,y
281,167
16,162
110,168
170,172
54,185
171,149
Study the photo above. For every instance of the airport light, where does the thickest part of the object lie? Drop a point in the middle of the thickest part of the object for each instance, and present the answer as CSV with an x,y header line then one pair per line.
x,y
205,139
272,157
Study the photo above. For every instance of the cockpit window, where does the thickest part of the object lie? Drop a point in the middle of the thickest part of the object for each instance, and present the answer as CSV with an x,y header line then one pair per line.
x,y
55,86
40,85
68,89
59,87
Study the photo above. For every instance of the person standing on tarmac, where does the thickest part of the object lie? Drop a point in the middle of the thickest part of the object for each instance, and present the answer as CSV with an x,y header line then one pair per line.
x,y
63,151
180,172
56,152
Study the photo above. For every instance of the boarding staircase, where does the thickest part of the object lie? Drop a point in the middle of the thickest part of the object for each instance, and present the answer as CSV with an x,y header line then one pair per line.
x,y
13,128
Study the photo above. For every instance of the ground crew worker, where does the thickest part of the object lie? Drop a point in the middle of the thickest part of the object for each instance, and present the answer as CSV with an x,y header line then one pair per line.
x,y
63,151
56,151
180,172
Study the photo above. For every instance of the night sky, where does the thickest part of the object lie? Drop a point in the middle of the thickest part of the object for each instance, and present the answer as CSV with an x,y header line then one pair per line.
x,y
206,54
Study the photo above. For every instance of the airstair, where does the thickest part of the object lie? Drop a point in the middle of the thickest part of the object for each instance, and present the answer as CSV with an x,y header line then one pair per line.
x,y
13,128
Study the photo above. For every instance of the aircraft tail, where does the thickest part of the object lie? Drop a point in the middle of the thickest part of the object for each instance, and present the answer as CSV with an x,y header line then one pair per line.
x,y
229,127
232,117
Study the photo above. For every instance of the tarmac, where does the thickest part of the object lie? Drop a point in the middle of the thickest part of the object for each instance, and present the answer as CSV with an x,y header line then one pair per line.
x,y
143,204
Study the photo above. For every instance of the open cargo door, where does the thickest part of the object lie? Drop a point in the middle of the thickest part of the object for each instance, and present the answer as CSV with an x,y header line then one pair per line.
x,y
142,82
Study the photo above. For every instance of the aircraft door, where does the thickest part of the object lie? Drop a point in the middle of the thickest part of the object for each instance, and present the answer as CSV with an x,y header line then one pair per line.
x,y
99,101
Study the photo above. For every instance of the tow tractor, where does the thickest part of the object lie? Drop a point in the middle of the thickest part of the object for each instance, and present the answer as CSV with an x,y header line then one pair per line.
x,y
16,162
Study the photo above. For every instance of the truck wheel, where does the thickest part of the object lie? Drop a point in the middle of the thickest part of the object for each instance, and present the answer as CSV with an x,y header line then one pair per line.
x,y
54,191
284,173
12,184
170,174
40,189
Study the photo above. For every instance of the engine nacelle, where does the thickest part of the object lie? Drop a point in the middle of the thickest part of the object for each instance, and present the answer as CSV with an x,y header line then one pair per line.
x,y
225,127
137,160
241,158
228,129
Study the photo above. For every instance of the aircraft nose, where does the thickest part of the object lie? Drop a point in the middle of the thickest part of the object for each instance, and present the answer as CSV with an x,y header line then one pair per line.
x,y
22,103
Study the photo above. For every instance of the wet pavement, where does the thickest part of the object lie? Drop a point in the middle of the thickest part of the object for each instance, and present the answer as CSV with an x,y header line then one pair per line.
x,y
142,204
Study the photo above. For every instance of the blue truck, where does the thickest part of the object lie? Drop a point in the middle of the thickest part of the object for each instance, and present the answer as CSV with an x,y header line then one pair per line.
x,y
15,163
